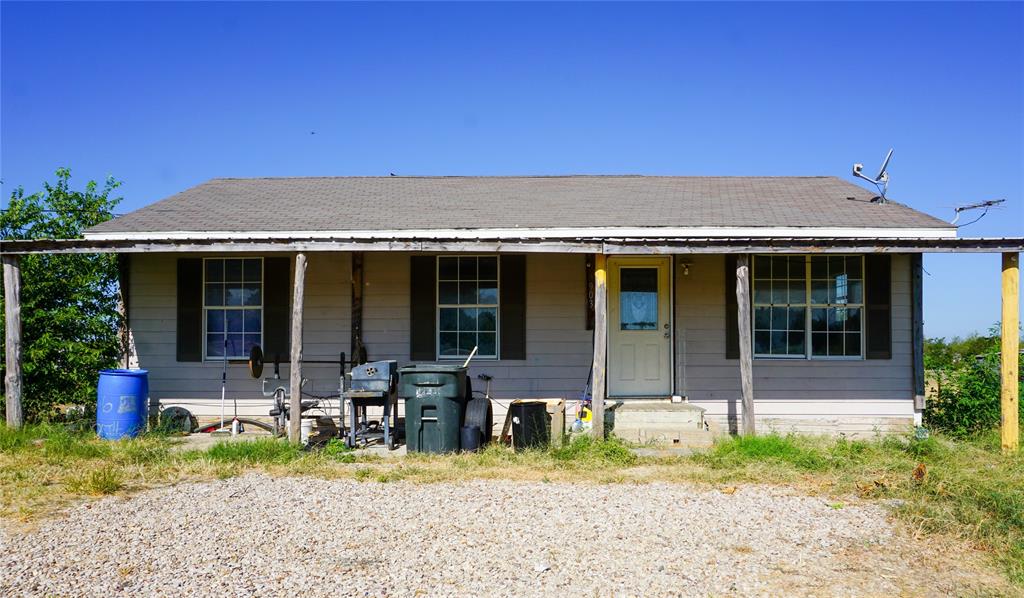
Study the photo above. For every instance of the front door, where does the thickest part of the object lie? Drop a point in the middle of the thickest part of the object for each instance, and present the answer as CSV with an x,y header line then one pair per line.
x,y
639,327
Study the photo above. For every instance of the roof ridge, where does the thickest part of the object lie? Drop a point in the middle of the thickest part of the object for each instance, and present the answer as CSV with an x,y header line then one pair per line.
x,y
526,176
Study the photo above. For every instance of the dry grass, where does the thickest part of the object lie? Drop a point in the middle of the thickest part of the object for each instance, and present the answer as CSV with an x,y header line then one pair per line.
x,y
964,489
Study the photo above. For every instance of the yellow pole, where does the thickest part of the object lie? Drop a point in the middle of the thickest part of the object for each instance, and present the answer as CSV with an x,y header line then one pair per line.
x,y
1010,398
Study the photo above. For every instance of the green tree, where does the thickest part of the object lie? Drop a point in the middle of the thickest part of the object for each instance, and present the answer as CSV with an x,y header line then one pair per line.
x,y
68,301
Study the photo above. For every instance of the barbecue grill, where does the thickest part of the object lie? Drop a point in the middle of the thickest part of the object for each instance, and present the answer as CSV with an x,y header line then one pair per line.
x,y
373,384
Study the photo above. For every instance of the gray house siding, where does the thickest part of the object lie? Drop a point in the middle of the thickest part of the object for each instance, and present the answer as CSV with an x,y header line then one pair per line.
x,y
853,396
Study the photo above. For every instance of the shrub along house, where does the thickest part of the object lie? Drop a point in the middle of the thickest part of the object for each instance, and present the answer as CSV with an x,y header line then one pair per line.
x,y
423,269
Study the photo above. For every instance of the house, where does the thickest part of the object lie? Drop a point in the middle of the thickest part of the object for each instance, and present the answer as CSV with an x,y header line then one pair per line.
x,y
424,269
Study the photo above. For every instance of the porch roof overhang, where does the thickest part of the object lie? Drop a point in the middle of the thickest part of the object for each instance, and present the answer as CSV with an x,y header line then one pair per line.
x,y
524,244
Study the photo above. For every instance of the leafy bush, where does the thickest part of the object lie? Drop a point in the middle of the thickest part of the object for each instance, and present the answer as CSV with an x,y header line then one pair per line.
x,y
69,302
968,400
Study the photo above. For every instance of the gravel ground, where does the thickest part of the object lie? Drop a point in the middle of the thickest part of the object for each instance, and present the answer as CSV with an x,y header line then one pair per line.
x,y
258,535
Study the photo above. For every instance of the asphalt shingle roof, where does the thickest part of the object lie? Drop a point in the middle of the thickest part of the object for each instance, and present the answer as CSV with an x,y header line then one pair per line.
x,y
318,204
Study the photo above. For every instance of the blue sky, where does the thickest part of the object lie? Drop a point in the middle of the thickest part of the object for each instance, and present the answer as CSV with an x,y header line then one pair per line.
x,y
164,96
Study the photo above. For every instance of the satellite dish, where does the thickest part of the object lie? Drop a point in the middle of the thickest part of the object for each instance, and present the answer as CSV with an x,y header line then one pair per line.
x,y
881,181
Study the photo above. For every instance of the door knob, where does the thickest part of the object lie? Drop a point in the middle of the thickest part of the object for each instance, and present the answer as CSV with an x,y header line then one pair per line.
x,y
666,335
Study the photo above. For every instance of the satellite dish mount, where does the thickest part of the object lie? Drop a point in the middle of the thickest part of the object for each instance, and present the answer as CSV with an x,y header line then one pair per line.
x,y
881,180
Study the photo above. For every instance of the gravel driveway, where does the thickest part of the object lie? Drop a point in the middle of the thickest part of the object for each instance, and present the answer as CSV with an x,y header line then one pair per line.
x,y
274,536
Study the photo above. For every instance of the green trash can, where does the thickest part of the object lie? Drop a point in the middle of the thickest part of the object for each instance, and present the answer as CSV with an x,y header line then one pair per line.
x,y
435,404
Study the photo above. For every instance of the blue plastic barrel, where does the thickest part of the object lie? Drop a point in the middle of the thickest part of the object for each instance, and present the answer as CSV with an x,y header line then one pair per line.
x,y
122,403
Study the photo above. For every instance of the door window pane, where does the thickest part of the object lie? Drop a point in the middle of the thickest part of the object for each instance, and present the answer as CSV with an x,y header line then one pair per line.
x,y
638,298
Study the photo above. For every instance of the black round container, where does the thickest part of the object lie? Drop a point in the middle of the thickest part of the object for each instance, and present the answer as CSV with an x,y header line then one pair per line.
x,y
471,438
530,426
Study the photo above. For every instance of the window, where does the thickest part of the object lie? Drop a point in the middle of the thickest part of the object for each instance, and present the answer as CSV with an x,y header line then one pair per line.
x,y
467,306
808,306
232,306
638,299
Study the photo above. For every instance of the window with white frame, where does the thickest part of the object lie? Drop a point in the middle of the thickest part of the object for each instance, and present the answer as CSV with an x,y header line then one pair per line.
x,y
808,306
232,306
467,306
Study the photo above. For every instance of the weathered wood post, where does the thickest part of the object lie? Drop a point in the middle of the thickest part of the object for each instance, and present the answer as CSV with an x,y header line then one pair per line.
x,y
358,348
1010,353
746,342
295,369
12,325
597,389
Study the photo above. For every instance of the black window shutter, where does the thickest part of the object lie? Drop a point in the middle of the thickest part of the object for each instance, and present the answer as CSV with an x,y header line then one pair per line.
x,y
878,305
423,308
277,287
513,306
190,309
732,332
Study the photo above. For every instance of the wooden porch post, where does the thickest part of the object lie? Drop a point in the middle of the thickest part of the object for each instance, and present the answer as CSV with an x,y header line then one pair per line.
x,y
12,325
597,390
295,369
1009,368
358,348
746,341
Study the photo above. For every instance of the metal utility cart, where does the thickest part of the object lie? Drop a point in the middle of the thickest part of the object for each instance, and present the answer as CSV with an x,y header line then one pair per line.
x,y
373,384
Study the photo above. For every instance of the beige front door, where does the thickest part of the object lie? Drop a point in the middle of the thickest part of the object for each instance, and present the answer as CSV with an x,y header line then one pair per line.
x,y
639,327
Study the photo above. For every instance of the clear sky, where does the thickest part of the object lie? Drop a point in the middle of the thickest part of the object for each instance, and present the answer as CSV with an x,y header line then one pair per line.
x,y
166,95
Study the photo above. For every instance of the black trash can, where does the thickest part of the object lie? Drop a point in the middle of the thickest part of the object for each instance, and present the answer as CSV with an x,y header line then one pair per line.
x,y
531,427
435,404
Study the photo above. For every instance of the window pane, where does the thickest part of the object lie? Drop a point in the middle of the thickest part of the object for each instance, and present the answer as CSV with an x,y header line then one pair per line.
x,y
249,342
762,318
448,268
251,294
487,319
215,320
852,344
214,270
780,296
448,293
638,298
234,318
488,268
467,340
819,343
797,268
233,294
797,292
214,345
856,291
796,343
762,267
761,342
252,320
778,342
449,343
449,318
236,345
819,320
819,292
836,265
253,270
798,320
835,319
779,318
842,289
835,343
853,319
819,267
467,268
853,267
233,271
762,292
488,292
214,294
467,292
779,269
487,343
467,318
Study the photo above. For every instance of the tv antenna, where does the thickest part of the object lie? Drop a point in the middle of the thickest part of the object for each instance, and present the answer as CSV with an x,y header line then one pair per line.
x,y
881,180
981,205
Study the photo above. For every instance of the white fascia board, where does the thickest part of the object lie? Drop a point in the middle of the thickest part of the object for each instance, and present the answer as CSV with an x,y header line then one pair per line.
x,y
546,233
